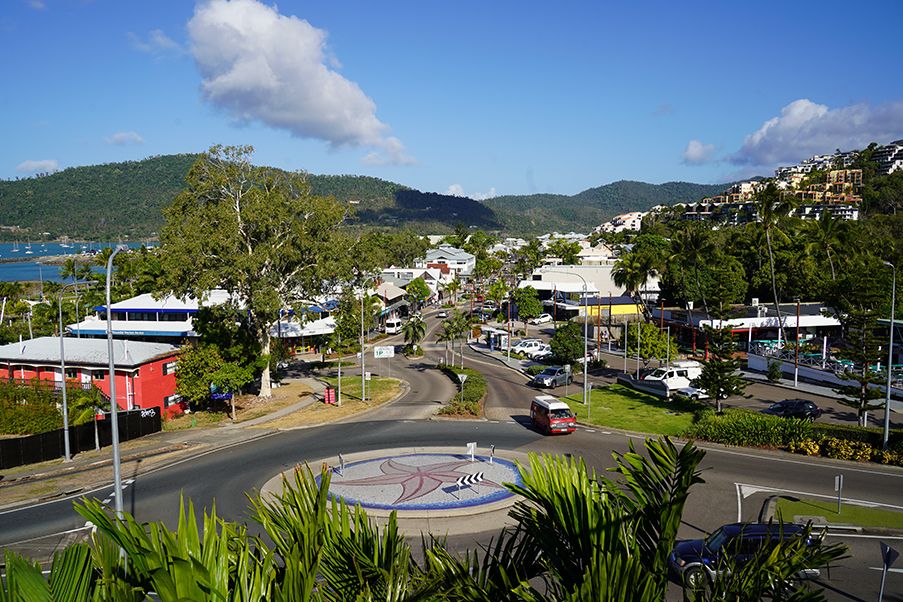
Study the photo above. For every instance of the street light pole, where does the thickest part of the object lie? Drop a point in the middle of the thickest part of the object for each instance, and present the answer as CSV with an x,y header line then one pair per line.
x,y
585,332
67,456
796,350
363,354
114,414
890,355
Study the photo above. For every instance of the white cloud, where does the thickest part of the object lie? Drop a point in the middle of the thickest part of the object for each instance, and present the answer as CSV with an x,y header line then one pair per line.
x,y
458,190
125,138
39,165
37,4
157,43
805,128
698,153
258,64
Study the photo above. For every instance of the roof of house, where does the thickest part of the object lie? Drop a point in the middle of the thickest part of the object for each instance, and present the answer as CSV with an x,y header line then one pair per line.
x,y
448,252
168,303
94,326
389,291
84,352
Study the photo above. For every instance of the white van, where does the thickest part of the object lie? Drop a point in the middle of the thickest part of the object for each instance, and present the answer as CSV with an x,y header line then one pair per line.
x,y
393,325
677,375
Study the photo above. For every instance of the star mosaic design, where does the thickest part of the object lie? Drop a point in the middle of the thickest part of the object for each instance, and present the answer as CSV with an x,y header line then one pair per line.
x,y
417,481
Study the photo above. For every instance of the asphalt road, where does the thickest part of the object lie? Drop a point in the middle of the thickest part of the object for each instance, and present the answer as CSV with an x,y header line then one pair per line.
x,y
737,480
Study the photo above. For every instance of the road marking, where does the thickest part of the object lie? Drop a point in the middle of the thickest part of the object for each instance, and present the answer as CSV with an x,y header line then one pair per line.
x,y
753,489
590,430
739,503
13,543
881,568
606,432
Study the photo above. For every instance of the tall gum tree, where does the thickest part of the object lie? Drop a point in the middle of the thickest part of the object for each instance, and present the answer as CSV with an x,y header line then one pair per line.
x,y
256,232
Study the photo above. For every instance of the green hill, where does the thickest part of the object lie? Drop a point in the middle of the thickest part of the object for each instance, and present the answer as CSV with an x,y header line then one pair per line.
x,y
125,200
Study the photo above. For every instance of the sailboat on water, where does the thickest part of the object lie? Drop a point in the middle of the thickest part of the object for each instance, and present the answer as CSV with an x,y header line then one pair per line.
x,y
28,250
15,248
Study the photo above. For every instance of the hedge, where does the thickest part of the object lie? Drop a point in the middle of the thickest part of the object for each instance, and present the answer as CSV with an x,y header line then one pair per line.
x,y
753,429
474,391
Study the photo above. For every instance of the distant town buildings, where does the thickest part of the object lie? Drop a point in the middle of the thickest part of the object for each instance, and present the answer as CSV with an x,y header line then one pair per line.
x,y
625,221
889,157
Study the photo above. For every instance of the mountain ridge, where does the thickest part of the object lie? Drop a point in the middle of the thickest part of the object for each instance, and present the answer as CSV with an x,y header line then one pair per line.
x,y
125,199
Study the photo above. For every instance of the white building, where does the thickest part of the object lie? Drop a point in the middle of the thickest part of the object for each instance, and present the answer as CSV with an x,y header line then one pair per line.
x,y
625,221
449,259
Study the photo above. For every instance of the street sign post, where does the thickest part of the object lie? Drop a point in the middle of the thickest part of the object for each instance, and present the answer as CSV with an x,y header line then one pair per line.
x,y
384,352
838,487
888,557
462,378
472,449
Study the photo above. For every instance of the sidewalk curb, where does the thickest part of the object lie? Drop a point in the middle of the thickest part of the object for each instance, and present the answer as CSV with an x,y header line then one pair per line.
x,y
828,528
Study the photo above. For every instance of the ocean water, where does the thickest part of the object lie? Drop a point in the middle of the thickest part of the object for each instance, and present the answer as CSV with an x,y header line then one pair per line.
x,y
27,266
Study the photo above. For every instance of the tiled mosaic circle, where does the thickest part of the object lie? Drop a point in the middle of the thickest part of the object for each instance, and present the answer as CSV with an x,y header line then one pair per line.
x,y
424,482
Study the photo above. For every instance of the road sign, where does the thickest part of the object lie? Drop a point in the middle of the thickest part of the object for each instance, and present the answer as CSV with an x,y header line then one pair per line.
x,y
888,557
383,352
462,378
472,449
469,480
367,376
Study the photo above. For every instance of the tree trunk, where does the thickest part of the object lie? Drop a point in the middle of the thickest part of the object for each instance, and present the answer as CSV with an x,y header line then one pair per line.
x,y
266,388
831,263
774,287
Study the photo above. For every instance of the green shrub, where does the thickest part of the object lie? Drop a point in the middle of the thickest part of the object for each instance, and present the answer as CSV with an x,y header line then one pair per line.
x,y
874,436
474,391
773,373
749,429
535,369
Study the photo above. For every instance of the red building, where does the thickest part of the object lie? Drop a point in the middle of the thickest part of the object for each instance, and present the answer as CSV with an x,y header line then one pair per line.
x,y
144,372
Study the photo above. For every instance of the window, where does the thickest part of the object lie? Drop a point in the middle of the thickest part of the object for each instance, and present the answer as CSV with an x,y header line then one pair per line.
x,y
170,367
72,373
171,399
98,374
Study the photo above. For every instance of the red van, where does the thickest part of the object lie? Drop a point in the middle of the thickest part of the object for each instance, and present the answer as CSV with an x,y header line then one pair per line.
x,y
551,415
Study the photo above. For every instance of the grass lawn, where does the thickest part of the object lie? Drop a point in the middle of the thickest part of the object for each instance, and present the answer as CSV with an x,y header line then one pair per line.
x,y
620,407
850,514
379,391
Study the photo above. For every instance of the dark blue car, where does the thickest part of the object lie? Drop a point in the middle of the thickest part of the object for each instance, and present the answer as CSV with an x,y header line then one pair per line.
x,y
696,562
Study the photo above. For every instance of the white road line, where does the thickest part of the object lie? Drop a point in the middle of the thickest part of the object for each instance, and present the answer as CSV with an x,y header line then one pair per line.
x,y
861,536
878,568
765,488
13,543
590,430
739,503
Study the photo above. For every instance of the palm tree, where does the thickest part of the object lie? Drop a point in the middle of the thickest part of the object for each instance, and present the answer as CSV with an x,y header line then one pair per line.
x,y
445,336
824,234
414,331
631,273
771,206
453,287
693,246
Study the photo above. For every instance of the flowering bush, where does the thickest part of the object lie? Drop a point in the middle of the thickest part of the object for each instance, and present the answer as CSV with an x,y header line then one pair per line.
x,y
842,449
806,447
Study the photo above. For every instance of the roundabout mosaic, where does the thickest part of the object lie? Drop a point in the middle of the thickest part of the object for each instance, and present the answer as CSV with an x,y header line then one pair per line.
x,y
423,482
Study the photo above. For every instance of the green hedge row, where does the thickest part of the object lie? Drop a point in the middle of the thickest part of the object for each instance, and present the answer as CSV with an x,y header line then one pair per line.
x,y
748,429
474,391
753,429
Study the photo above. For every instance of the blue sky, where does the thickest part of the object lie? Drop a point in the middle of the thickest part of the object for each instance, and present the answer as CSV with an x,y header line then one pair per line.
x,y
475,98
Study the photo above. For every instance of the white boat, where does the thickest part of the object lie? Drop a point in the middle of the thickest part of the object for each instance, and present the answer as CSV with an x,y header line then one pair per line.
x,y
15,247
28,250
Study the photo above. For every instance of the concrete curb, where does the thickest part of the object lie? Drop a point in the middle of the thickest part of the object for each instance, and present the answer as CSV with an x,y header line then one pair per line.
x,y
488,517
840,529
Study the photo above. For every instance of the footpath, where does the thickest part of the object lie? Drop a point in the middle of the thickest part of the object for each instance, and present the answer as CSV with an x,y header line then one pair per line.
x,y
86,471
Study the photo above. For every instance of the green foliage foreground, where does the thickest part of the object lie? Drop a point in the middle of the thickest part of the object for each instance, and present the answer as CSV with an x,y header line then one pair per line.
x,y
578,536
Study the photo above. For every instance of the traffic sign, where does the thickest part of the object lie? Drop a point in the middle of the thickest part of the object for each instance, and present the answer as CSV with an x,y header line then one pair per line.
x,y
383,352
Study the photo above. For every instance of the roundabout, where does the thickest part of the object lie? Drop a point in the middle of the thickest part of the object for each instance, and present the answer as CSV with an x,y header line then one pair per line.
x,y
439,490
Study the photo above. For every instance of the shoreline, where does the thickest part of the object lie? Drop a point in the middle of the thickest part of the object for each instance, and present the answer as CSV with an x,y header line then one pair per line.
x,y
49,259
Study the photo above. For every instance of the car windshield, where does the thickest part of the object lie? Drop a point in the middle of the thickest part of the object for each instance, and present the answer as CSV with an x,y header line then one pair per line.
x,y
659,373
717,539
560,413
548,372
777,406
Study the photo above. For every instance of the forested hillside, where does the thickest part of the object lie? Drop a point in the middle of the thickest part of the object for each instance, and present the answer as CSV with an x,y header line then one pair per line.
x,y
119,200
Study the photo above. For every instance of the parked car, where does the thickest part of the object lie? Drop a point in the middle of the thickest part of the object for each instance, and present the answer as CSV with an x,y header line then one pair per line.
x,y
442,314
541,351
678,374
694,563
526,345
553,376
794,408
541,319
694,393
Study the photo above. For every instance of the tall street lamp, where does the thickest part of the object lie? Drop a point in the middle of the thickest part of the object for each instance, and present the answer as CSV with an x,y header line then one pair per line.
x,y
585,332
796,348
67,455
890,354
114,416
